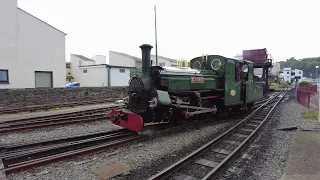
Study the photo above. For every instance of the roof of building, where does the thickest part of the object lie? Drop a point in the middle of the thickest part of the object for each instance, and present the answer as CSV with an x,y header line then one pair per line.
x,y
82,57
107,65
139,59
168,59
127,55
41,20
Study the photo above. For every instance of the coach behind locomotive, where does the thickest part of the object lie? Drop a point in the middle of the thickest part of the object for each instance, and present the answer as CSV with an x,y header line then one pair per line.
x,y
162,94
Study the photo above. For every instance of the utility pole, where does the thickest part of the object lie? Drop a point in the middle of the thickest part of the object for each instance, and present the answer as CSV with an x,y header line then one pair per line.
x,y
155,25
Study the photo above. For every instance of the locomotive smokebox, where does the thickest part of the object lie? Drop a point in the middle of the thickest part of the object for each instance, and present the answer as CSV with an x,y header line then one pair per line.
x,y
146,58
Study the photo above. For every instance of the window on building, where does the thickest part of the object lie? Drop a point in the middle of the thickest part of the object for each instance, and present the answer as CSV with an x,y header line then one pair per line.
x,y
122,70
85,71
287,72
162,64
299,72
4,77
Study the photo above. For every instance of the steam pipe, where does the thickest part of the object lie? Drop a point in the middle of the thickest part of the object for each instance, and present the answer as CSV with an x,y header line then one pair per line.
x,y
146,59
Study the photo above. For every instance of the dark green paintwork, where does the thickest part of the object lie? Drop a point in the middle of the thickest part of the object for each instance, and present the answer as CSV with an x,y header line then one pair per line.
x,y
164,97
231,84
254,90
183,82
213,79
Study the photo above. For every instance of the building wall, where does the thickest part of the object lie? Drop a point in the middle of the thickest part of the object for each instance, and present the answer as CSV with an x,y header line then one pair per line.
x,y
166,62
275,69
101,59
40,48
27,45
118,78
290,74
120,60
8,39
96,76
68,72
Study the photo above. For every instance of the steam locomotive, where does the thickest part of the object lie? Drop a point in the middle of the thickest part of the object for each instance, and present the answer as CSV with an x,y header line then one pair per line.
x,y
213,84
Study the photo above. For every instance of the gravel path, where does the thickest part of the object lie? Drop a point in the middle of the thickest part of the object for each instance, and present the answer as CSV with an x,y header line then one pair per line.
x,y
166,148
271,148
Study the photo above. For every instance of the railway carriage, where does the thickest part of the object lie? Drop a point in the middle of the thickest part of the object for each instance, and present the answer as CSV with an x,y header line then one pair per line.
x,y
212,84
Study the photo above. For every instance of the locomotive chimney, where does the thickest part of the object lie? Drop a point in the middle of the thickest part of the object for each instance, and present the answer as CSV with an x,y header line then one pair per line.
x,y
146,49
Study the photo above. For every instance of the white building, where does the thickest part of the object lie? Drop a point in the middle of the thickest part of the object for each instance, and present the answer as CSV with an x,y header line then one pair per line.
x,y
112,71
32,53
275,69
122,59
94,74
164,61
289,75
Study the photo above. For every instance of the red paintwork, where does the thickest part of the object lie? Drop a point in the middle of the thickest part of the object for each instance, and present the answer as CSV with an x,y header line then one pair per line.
x,y
257,56
209,97
134,122
197,80
185,115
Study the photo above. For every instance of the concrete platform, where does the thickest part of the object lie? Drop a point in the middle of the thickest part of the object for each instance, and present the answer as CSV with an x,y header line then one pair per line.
x,y
53,112
304,158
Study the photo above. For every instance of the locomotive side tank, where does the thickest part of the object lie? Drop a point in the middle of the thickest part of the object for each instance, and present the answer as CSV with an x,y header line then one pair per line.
x,y
162,94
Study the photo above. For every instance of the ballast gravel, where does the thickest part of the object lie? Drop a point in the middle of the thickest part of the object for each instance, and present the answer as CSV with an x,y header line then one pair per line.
x,y
56,132
166,148
145,158
270,150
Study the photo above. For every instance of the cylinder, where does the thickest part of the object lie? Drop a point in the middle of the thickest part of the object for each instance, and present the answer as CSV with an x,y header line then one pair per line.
x,y
146,59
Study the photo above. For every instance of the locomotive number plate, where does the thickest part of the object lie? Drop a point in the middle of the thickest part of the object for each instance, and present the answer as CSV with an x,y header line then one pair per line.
x,y
197,80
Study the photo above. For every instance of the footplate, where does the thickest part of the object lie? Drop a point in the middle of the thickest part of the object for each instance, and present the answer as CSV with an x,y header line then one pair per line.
x,y
127,120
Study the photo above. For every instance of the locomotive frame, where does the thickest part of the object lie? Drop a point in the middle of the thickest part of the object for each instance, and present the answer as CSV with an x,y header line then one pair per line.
x,y
213,84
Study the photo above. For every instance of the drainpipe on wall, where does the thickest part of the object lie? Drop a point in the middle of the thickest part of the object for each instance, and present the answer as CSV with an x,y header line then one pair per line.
x,y
109,78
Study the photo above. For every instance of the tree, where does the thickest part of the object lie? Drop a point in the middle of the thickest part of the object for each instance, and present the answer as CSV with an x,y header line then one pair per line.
x,y
183,62
305,83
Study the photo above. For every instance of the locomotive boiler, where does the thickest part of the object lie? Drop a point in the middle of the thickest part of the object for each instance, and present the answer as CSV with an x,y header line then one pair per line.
x,y
211,84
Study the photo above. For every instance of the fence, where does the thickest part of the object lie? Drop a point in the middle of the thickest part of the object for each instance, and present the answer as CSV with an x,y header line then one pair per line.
x,y
308,96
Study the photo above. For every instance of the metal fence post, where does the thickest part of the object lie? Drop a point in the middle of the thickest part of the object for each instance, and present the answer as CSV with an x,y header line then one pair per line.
x,y
318,102
309,94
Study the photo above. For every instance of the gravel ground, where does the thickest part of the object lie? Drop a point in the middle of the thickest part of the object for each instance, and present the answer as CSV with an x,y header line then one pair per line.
x,y
23,115
56,132
145,158
164,149
270,158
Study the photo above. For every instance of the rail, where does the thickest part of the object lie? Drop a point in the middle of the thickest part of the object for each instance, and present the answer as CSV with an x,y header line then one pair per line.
x,y
57,119
23,156
251,124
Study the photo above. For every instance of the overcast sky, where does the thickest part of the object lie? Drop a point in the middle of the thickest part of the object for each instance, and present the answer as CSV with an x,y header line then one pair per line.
x,y
185,28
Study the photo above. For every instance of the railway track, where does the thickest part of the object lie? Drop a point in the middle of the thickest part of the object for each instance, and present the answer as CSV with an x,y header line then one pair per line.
x,y
22,156
47,107
57,119
215,156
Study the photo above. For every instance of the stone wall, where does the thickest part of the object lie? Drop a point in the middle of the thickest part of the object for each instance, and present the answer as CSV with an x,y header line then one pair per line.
x,y
16,98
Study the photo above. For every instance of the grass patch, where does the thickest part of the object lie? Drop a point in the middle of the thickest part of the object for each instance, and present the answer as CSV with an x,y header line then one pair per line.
x,y
65,108
310,115
277,88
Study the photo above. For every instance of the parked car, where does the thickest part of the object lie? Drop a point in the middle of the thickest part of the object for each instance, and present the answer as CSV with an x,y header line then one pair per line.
x,y
73,85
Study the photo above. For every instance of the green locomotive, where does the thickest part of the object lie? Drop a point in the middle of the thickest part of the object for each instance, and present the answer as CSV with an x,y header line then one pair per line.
x,y
162,94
